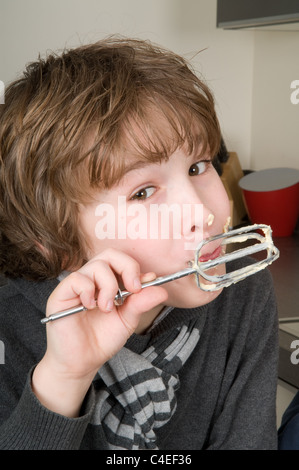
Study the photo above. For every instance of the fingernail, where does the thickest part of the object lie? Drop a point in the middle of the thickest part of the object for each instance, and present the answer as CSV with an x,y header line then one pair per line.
x,y
137,283
109,305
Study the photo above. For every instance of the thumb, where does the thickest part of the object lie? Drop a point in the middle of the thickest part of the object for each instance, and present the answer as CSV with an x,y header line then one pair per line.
x,y
145,300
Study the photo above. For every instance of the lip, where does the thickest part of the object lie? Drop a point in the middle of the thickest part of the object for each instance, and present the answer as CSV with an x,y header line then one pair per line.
x,y
210,256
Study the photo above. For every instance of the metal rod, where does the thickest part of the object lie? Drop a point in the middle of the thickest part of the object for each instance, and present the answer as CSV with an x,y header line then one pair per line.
x,y
64,313
123,294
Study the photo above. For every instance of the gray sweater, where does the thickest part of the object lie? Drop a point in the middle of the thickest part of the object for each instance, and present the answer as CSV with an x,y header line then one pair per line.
x,y
227,394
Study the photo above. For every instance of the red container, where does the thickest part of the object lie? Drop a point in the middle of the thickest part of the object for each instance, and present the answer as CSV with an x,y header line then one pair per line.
x,y
272,197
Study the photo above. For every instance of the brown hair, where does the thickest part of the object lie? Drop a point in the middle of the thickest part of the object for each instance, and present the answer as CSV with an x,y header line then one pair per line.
x,y
67,127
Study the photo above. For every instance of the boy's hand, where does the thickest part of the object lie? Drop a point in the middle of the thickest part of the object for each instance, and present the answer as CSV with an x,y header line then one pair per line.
x,y
78,345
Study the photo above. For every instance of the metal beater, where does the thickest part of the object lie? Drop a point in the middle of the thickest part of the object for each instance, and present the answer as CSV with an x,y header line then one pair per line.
x,y
263,242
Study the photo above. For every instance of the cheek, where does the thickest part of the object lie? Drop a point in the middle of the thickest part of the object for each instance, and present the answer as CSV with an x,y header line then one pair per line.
x,y
152,255
125,232
220,202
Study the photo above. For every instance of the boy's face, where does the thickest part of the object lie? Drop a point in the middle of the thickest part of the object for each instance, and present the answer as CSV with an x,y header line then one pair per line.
x,y
157,214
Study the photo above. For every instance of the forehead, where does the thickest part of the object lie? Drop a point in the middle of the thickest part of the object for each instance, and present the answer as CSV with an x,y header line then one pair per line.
x,y
150,137
156,140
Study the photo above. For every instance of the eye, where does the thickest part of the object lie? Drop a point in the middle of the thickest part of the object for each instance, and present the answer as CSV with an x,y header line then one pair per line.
x,y
143,194
198,168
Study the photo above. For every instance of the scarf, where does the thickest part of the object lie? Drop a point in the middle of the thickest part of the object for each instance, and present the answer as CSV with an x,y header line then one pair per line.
x,y
138,392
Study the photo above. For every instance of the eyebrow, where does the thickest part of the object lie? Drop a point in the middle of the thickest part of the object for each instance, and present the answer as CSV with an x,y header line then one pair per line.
x,y
137,165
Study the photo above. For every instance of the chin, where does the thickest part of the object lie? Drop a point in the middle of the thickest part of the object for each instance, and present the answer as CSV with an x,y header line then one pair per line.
x,y
184,293
191,297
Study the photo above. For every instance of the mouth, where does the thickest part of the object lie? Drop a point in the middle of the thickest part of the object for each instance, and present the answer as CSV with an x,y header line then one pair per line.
x,y
208,256
212,255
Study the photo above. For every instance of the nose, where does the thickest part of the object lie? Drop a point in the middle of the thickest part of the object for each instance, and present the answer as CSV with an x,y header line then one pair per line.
x,y
197,218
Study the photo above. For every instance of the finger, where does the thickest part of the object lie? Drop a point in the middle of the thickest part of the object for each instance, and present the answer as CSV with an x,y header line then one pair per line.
x,y
137,304
74,290
125,266
147,277
105,282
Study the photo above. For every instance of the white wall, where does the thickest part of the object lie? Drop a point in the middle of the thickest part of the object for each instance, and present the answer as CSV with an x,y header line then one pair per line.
x,y
28,27
249,71
275,120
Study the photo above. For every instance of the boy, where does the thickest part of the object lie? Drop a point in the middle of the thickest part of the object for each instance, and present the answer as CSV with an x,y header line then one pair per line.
x,y
127,126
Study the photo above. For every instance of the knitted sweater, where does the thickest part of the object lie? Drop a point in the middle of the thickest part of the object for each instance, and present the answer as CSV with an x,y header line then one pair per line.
x,y
227,393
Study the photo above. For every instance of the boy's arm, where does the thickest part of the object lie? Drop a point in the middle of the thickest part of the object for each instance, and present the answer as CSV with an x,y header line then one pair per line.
x,y
24,422
77,346
32,426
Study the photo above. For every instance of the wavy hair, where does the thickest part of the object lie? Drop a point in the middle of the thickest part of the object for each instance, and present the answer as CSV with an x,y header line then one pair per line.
x,y
69,126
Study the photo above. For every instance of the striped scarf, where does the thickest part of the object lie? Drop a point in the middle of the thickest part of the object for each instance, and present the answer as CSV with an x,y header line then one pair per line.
x,y
138,395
